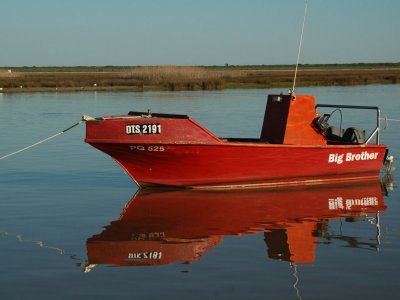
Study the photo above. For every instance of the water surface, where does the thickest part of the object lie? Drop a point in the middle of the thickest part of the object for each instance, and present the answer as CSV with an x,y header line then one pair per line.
x,y
67,208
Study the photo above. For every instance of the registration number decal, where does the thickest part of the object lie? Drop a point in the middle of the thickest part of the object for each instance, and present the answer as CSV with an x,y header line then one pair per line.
x,y
145,255
152,148
143,128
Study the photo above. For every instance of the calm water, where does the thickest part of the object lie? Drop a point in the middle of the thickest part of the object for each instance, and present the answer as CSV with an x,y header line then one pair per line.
x,y
67,208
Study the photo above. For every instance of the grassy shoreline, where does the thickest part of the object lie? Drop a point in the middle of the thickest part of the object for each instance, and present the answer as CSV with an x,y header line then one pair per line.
x,y
173,78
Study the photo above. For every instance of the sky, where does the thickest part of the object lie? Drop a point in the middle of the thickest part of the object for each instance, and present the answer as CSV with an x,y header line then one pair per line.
x,y
196,32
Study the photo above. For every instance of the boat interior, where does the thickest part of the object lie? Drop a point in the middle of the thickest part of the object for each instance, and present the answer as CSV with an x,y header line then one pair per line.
x,y
292,119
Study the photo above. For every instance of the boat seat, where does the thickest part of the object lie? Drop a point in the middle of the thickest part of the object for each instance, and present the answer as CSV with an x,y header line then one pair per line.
x,y
334,134
354,136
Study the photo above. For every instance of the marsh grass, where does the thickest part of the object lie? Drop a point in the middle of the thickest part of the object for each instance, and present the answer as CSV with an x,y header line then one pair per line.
x,y
6,74
181,77
187,78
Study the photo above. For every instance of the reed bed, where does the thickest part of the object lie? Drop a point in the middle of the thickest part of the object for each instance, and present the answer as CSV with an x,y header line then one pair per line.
x,y
159,74
181,77
8,74
187,78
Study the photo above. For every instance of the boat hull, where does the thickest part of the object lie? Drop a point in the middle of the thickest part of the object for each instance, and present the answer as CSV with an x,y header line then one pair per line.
x,y
228,164
175,150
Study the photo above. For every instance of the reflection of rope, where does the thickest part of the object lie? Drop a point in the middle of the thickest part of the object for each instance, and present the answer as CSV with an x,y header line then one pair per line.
x,y
376,222
41,244
294,267
40,142
80,262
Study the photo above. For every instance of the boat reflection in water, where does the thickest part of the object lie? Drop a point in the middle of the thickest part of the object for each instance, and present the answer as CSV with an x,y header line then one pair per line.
x,y
158,228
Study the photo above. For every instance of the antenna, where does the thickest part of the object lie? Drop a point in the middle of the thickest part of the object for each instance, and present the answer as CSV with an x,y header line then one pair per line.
x,y
298,52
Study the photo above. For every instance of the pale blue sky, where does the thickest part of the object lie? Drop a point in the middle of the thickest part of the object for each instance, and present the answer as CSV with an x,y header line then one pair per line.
x,y
196,32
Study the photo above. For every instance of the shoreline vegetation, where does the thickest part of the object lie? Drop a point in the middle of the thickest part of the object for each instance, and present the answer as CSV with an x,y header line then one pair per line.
x,y
177,78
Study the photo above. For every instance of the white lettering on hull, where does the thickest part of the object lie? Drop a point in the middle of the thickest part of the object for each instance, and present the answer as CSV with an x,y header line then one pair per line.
x,y
347,157
151,148
132,129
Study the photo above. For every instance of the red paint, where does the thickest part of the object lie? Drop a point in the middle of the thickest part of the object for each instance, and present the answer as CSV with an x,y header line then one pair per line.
x,y
158,228
288,121
185,154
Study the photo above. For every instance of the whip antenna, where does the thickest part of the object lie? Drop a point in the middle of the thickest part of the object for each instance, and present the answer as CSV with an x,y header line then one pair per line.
x,y
298,52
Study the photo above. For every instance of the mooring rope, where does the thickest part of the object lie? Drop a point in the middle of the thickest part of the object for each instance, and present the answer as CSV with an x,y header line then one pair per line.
x,y
83,120
42,141
387,120
394,120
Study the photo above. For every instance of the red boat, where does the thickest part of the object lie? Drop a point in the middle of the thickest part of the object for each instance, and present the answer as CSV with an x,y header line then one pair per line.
x,y
296,146
163,227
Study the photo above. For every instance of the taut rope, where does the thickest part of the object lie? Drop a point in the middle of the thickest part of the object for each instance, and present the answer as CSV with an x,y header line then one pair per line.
x,y
42,141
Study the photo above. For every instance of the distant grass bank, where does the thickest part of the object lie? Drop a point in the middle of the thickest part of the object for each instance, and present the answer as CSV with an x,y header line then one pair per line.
x,y
173,78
